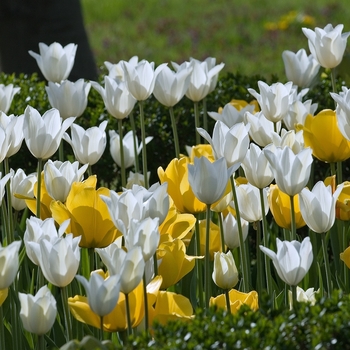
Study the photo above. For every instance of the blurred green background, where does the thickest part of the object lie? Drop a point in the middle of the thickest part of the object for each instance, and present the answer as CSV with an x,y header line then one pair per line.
x,y
249,36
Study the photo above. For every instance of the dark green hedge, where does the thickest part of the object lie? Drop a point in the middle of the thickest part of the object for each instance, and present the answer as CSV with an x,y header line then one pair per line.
x,y
160,150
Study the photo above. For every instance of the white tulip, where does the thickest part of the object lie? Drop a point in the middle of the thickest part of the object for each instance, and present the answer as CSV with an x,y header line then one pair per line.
x,y
9,263
7,92
225,273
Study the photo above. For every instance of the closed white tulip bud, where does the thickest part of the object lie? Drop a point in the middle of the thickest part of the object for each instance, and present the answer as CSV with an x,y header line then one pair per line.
x,y
102,294
225,274
116,71
38,312
231,234
59,178
9,263
55,61
88,145
70,98
343,111
7,92
21,184
3,181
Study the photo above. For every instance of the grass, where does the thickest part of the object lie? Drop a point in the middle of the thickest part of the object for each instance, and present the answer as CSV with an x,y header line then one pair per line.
x,y
249,36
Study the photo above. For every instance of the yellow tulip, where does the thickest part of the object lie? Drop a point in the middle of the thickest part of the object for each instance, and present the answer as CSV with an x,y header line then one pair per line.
x,y
175,263
322,134
3,295
170,306
237,299
240,104
179,189
116,321
88,214
214,238
202,150
345,256
279,203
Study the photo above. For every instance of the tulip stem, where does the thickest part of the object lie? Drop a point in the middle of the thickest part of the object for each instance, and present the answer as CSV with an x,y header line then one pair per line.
x,y
293,229
60,152
326,263
334,88
196,122
101,328
228,304
10,236
259,262
199,264
266,244
136,154
207,258
145,302
294,297
222,236
175,136
41,341
67,319
128,318
2,330
242,251
143,139
38,190
121,146
205,115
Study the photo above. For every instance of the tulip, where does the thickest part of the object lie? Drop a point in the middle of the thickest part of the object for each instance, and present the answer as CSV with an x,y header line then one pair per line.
x,y
249,203
214,239
230,143
335,147
291,171
43,134
237,299
292,139
209,180
55,61
38,312
257,168
3,181
140,79
118,100
21,183
116,71
279,203
292,261
102,294
7,92
130,266
345,257
59,178
225,274
343,202
318,206
136,179
3,295
298,112
36,229
230,115
300,68
88,145
274,100
261,129
303,296
58,258
230,227
343,111
68,97
327,45
170,87
128,147
9,263
88,214
201,150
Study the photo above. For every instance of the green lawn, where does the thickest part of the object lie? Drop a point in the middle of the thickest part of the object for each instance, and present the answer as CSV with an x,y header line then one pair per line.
x,y
233,31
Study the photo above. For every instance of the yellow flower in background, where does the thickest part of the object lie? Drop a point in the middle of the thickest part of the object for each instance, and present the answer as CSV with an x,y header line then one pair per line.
x,y
202,150
3,295
88,214
179,189
279,203
345,256
170,306
116,321
237,299
214,238
175,263
342,208
322,135
240,104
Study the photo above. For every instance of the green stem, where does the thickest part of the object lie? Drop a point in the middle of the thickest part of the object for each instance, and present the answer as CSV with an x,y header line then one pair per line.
x,y
199,264
242,250
266,244
293,229
145,302
38,193
222,236
66,314
136,154
91,259
196,122
85,263
128,318
16,332
121,146
228,304
333,84
205,115
2,330
175,136
101,328
294,297
155,264
144,149
207,273
61,152
259,260
11,231
326,262
41,341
